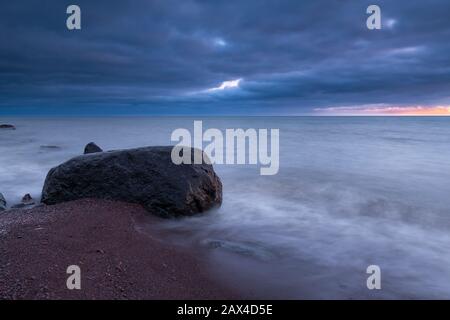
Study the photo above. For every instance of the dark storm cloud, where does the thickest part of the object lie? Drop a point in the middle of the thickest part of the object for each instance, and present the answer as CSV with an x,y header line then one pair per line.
x,y
161,56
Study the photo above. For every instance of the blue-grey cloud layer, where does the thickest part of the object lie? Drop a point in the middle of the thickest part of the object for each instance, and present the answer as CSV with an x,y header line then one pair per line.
x,y
160,56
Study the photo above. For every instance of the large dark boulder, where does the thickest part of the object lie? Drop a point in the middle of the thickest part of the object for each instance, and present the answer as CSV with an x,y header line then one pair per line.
x,y
91,147
145,175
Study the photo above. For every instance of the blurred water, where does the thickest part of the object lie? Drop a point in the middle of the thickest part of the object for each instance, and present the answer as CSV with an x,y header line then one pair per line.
x,y
350,192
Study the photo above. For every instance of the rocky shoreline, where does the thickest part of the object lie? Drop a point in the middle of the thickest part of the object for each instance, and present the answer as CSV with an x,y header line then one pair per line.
x,y
89,216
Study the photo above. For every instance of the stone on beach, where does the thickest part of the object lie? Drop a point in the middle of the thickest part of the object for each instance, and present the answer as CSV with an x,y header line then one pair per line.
x,y
2,203
27,198
91,147
27,201
146,176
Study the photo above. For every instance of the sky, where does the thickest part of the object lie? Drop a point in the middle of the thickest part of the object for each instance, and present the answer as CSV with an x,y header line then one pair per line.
x,y
225,57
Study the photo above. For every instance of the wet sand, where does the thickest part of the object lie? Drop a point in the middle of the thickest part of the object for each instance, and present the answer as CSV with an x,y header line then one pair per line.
x,y
117,261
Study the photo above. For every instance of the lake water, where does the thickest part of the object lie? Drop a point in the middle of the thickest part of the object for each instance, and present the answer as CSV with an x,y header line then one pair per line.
x,y
351,192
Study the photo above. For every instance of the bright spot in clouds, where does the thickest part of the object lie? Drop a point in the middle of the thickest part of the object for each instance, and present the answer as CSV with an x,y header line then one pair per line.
x,y
390,23
219,42
227,85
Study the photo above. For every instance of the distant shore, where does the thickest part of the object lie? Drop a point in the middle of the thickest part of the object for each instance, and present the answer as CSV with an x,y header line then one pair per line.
x,y
117,261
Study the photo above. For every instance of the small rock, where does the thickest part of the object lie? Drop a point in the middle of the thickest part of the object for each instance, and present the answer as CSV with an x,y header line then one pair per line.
x,y
2,202
91,147
27,198
7,126
27,201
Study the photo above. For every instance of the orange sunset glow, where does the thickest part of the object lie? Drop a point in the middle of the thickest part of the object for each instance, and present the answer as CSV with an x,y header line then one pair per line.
x,y
387,111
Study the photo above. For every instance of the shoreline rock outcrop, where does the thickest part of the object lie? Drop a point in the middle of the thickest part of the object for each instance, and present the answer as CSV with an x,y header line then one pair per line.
x,y
7,126
146,176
